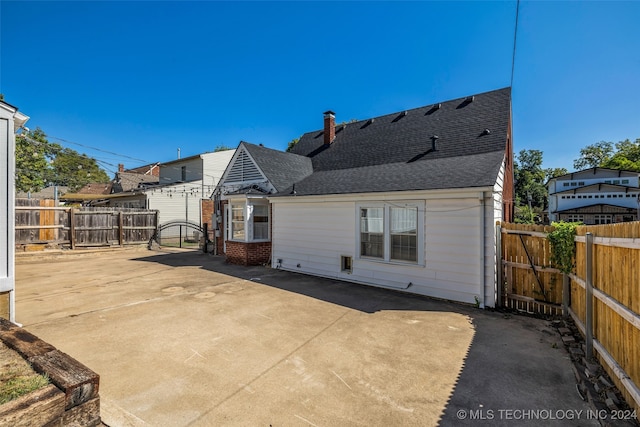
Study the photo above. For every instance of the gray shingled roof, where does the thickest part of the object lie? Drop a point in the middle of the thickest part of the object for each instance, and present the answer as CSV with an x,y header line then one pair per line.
x,y
394,152
282,169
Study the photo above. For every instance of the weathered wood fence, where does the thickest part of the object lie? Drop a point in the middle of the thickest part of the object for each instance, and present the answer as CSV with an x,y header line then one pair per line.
x,y
607,265
41,222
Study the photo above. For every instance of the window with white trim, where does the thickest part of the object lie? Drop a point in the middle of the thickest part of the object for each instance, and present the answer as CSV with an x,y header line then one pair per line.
x,y
372,232
575,218
249,220
237,222
392,232
602,219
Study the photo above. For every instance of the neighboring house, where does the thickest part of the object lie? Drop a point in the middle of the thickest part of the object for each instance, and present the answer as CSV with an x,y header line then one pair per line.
x,y
96,188
406,201
183,183
150,169
51,192
595,196
130,181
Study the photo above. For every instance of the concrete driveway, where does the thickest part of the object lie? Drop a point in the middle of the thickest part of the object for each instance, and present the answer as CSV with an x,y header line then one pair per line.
x,y
180,338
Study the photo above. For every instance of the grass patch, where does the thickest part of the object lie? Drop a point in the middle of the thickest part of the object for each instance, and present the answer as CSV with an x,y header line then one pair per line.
x,y
17,377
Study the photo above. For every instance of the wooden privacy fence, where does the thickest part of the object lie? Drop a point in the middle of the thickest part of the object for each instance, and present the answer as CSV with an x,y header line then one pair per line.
x,y
607,267
529,282
40,222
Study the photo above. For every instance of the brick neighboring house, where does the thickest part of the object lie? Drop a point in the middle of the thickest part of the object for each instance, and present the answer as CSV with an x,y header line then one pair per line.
x,y
405,201
595,196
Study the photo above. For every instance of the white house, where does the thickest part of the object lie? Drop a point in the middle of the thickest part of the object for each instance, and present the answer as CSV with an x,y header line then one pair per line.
x,y
183,183
10,121
405,201
595,196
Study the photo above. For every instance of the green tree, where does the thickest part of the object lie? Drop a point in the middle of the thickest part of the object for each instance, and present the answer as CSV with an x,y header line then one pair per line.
x,y
33,154
40,162
554,172
626,156
222,148
292,144
74,170
530,180
594,155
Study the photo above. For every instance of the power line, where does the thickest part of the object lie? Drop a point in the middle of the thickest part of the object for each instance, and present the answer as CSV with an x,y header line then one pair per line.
x,y
97,149
515,34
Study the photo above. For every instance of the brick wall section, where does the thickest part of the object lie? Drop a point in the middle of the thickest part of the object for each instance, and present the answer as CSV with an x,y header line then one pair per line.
x,y
256,253
207,212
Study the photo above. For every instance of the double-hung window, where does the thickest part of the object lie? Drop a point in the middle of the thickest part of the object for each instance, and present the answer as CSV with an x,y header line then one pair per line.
x,y
248,220
391,232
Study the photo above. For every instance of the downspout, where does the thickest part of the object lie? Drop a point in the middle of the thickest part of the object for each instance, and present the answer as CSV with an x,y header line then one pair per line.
x,y
481,219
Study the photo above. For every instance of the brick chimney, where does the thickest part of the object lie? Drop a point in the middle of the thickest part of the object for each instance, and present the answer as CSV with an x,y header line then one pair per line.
x,y
329,127
120,167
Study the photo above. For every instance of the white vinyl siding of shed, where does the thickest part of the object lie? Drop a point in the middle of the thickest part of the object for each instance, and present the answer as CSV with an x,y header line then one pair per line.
x,y
311,234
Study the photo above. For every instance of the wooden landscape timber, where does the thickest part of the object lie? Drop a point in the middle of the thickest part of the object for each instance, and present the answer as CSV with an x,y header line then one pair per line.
x,y
71,400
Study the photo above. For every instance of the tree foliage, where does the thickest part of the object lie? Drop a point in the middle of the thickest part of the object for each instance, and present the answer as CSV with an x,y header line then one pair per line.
x,y
530,179
292,144
40,163
622,155
222,148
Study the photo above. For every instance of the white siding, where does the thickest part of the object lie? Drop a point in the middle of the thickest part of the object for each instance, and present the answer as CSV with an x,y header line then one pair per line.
x,y
213,166
311,234
176,202
172,172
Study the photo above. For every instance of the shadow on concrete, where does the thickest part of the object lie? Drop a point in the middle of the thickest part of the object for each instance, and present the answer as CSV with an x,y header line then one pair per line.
x,y
516,371
368,299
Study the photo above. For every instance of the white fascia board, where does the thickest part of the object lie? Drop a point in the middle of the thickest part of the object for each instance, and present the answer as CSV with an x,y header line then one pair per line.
x,y
453,193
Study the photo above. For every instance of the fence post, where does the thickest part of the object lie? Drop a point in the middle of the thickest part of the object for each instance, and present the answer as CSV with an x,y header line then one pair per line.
x,y
120,229
72,228
566,295
499,264
588,321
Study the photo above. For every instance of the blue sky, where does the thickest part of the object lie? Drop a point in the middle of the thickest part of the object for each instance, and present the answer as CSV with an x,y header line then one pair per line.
x,y
142,79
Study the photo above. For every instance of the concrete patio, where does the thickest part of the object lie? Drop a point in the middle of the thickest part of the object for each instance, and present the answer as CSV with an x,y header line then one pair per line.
x,y
181,338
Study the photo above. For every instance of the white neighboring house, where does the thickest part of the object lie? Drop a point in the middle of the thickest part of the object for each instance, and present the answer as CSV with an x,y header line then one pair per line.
x,y
10,121
183,183
595,196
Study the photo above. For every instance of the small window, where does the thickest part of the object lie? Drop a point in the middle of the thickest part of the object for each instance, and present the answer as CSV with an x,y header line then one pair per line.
x,y
608,181
372,232
590,197
581,183
404,234
183,173
260,222
564,197
616,181
625,181
574,184
237,222
608,196
566,184
346,264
